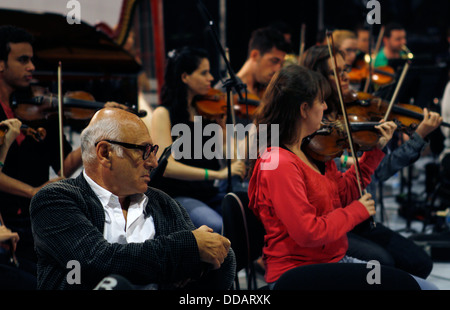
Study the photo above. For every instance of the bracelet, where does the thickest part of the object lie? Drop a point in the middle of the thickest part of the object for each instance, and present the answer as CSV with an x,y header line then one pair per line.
x,y
206,174
2,164
344,163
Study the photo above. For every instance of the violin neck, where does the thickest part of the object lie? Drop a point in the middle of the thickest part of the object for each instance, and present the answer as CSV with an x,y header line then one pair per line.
x,y
250,102
412,114
82,104
70,102
383,72
360,126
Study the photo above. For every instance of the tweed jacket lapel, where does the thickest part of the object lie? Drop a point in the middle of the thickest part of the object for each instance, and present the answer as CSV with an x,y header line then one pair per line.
x,y
93,205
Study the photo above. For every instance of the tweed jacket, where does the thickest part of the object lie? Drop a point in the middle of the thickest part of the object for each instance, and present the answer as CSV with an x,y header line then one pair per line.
x,y
68,220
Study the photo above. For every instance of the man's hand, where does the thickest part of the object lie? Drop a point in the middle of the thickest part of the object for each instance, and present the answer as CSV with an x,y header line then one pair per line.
x,y
213,247
7,234
431,121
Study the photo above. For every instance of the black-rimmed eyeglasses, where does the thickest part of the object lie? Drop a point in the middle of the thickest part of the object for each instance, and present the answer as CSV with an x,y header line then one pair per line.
x,y
146,149
341,71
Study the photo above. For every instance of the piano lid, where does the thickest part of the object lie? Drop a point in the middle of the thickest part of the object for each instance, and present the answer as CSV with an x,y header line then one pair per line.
x,y
80,47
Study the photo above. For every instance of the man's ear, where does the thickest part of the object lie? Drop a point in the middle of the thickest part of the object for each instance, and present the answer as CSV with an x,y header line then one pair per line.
x,y
254,54
103,153
183,77
2,65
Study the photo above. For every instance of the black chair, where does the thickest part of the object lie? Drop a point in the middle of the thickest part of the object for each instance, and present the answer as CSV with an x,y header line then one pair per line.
x,y
344,276
245,232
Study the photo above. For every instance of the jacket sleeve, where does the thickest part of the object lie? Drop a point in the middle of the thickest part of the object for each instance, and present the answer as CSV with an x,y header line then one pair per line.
x,y
401,157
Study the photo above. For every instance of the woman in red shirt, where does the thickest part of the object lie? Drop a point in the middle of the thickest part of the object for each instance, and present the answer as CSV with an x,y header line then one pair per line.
x,y
307,207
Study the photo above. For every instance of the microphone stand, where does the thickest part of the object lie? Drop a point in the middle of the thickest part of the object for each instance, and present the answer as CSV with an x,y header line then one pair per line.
x,y
231,83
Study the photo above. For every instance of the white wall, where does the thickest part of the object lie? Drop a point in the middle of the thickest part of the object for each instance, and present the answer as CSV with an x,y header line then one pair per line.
x,y
92,11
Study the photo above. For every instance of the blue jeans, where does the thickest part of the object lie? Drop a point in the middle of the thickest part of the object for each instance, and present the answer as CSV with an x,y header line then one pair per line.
x,y
202,213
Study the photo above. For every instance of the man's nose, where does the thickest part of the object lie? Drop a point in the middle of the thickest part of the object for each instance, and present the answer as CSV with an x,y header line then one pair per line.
x,y
31,67
151,162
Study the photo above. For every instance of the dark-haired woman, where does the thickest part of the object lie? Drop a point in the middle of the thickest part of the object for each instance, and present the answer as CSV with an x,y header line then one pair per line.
x,y
190,179
380,243
307,207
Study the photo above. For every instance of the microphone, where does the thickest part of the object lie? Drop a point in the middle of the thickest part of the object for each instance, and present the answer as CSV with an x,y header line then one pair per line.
x,y
408,52
157,173
114,282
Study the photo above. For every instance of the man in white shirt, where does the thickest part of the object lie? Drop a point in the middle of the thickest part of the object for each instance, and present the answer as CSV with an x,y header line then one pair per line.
x,y
110,222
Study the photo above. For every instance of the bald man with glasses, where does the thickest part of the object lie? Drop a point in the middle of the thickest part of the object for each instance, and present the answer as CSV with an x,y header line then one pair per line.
x,y
110,222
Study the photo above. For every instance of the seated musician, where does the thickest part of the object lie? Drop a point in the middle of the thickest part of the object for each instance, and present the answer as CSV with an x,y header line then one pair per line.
x,y
191,180
307,207
267,49
380,243
108,221
394,40
26,167
346,42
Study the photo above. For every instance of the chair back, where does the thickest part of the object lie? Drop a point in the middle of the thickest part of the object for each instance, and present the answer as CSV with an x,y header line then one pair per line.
x,y
243,228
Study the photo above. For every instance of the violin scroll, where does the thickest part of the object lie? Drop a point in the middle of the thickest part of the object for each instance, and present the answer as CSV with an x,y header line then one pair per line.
x,y
38,134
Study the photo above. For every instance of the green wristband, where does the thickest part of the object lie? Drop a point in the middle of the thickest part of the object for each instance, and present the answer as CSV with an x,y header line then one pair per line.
x,y
206,174
344,163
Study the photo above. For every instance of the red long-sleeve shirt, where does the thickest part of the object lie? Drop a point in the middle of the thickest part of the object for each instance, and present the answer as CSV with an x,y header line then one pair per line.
x,y
306,214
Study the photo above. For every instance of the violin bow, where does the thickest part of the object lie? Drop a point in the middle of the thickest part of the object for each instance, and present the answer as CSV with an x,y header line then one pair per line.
x,y
397,88
346,122
302,44
377,48
60,118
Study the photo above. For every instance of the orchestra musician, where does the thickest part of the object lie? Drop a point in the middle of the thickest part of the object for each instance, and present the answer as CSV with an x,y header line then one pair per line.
x,y
346,41
380,243
307,207
26,168
267,49
190,180
394,41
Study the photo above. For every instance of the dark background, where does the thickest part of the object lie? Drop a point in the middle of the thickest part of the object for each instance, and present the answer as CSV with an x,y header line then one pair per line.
x,y
426,23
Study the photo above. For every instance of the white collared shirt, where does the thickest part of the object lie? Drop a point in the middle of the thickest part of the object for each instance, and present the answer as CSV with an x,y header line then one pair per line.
x,y
138,226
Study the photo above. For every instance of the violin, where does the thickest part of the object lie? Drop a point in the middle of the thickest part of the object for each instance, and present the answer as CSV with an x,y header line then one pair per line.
x,y
78,106
380,75
331,139
37,134
407,116
214,104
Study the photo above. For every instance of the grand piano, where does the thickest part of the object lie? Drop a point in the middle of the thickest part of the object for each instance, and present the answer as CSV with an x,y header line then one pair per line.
x,y
90,59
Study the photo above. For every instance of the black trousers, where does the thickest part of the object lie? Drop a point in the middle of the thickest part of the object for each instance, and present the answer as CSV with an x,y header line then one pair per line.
x,y
389,248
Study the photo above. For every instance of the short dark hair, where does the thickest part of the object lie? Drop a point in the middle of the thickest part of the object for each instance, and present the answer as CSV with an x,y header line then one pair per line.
x,y
390,27
11,34
264,39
